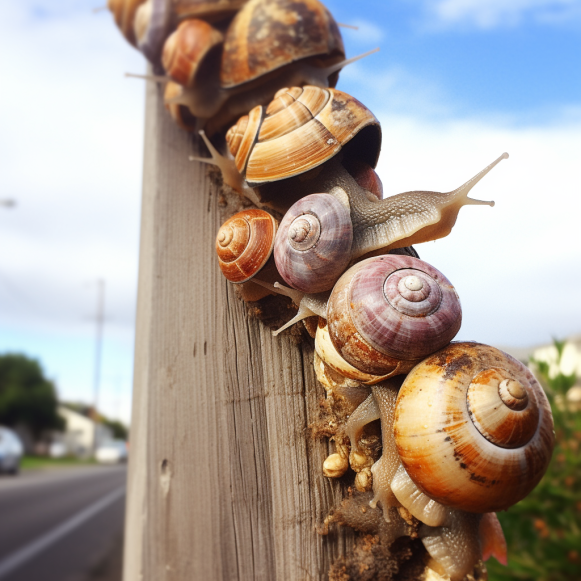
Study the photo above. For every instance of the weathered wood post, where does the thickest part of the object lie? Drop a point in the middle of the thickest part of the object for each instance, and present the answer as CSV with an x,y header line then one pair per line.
x,y
225,481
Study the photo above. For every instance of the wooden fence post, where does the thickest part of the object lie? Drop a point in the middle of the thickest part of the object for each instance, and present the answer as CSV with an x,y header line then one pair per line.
x,y
225,482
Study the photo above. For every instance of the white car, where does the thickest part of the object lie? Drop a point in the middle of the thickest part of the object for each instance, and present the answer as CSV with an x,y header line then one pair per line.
x,y
112,452
11,450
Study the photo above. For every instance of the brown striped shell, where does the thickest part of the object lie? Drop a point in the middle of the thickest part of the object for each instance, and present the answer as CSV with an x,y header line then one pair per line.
x,y
484,437
299,130
388,312
244,244
186,48
211,10
266,35
124,15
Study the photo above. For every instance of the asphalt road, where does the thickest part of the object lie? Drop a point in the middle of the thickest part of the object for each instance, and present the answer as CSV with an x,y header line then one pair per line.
x,y
61,525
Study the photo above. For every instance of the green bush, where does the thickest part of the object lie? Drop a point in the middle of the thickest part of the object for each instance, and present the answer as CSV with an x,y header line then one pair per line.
x,y
543,531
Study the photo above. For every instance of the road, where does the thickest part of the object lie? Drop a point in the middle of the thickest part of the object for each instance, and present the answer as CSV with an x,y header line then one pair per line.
x,y
61,525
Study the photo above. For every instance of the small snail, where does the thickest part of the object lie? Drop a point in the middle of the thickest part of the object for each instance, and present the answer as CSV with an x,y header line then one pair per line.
x,y
488,437
313,243
386,313
244,244
156,19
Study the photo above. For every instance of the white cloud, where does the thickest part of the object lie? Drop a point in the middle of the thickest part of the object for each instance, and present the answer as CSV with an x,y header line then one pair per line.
x,y
493,13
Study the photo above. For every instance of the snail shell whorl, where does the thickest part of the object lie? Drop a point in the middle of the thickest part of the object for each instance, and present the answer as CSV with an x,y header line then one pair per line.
x,y
266,35
124,14
185,49
313,244
485,435
244,244
210,10
301,129
389,310
152,25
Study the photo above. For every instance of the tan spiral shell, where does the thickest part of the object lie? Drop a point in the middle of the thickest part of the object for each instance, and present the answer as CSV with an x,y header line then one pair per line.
x,y
473,428
301,129
266,35
124,14
244,244
186,48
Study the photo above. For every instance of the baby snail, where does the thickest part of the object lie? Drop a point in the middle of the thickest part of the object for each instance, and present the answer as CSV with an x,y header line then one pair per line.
x,y
483,441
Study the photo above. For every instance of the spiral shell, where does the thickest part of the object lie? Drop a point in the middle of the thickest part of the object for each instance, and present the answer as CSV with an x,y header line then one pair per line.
x,y
485,435
389,310
301,129
266,35
244,244
210,10
124,15
313,244
186,48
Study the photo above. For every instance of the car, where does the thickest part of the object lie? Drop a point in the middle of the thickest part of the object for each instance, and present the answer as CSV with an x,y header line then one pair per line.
x,y
11,450
112,452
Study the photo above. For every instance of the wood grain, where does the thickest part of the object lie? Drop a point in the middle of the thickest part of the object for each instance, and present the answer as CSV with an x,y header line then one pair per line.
x,y
225,480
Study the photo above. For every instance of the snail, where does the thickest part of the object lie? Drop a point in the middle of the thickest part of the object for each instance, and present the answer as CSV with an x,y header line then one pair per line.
x,y
156,19
387,313
488,437
381,225
268,45
313,243
124,14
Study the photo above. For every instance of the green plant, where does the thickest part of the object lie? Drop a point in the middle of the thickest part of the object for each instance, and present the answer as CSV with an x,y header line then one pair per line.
x,y
543,531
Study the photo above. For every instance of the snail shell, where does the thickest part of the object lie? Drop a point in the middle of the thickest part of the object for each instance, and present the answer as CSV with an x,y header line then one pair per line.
x,y
301,129
386,313
186,48
124,15
313,244
266,35
244,244
485,437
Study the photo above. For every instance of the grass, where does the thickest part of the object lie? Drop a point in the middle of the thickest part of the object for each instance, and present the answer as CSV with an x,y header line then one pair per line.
x,y
43,462
543,531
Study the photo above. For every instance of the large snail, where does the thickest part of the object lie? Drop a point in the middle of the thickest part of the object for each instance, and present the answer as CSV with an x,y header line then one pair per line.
x,y
387,313
481,443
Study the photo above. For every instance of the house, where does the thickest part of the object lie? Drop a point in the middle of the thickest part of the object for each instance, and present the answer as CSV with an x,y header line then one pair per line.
x,y
82,434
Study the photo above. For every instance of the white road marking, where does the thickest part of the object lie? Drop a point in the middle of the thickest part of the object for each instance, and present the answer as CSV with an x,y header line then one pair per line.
x,y
28,552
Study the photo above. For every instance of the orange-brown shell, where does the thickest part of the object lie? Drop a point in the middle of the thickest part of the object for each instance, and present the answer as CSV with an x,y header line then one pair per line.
x,y
185,49
269,34
180,114
124,14
473,428
210,10
301,129
244,244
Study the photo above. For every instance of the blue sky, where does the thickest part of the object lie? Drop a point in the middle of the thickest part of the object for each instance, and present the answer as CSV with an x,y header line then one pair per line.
x,y
456,83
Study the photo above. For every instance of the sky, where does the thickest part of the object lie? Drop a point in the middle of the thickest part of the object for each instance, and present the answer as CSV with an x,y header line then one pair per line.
x,y
455,84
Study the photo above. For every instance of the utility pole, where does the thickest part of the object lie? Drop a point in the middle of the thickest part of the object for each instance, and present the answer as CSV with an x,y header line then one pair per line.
x,y
99,320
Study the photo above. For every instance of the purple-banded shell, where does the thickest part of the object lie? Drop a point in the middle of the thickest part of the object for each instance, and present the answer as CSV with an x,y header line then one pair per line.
x,y
391,308
313,243
152,27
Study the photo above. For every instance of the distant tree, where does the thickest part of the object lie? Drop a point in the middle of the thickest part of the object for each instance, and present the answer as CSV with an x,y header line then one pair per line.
x,y
119,430
27,396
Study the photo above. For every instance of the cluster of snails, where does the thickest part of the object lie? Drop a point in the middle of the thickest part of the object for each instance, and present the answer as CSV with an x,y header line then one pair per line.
x,y
466,430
